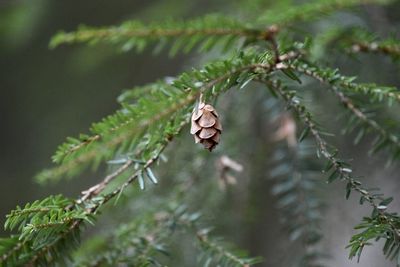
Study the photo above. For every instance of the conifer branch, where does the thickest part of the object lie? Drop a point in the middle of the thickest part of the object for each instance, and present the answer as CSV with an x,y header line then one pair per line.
x,y
358,40
341,170
339,167
73,222
389,47
50,253
348,103
222,75
41,230
333,77
334,80
207,31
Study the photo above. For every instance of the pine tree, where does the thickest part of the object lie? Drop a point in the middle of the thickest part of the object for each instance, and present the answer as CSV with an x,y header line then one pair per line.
x,y
265,49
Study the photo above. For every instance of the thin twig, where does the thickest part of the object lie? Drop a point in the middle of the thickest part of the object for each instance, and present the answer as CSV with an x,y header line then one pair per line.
x,y
376,47
96,189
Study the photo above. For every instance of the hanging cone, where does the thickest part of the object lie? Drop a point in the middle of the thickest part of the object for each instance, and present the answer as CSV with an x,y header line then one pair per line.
x,y
206,127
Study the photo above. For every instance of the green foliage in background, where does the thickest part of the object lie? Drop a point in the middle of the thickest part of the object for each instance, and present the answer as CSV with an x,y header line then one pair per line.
x,y
268,51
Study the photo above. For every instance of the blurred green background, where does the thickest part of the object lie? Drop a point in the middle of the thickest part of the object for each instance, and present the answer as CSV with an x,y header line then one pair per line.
x,y
46,95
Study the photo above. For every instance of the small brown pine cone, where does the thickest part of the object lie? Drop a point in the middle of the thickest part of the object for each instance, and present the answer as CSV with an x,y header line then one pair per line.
x,y
206,127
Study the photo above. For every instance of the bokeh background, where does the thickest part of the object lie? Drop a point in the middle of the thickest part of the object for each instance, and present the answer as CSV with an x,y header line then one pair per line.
x,y
46,95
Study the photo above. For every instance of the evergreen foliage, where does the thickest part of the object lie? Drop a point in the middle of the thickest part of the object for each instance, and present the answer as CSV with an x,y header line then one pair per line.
x,y
204,32
339,169
265,51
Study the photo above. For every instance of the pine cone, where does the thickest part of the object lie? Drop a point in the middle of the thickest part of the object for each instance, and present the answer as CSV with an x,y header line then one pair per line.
x,y
206,127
